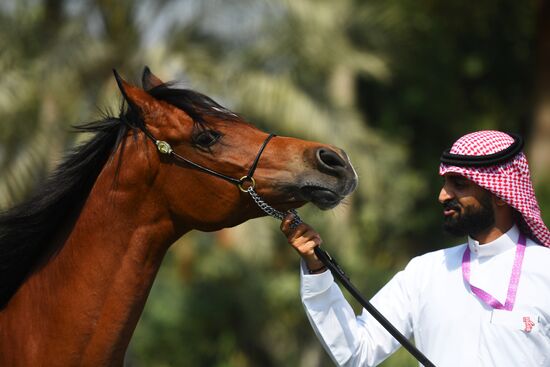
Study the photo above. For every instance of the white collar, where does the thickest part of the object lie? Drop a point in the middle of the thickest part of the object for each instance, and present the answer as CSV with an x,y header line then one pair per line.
x,y
505,242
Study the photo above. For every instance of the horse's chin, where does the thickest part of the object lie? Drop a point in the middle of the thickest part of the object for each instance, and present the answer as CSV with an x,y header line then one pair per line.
x,y
321,197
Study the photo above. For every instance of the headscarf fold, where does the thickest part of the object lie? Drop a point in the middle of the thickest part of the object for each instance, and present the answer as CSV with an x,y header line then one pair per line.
x,y
509,180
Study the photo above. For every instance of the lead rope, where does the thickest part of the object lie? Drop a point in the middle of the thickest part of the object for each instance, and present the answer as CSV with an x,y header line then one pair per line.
x,y
339,274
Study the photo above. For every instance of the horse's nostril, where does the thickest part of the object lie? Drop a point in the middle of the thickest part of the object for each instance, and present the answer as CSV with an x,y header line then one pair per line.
x,y
330,159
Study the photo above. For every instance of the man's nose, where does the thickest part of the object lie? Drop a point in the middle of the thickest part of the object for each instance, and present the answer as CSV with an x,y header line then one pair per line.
x,y
445,194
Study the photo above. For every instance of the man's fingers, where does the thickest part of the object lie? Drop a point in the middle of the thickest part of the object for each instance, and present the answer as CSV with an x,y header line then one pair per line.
x,y
303,234
303,239
290,233
306,243
285,224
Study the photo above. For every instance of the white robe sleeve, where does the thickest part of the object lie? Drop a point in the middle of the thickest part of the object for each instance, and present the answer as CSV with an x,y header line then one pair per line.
x,y
351,340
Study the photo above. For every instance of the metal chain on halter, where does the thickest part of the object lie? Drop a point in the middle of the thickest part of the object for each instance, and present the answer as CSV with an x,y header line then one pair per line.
x,y
271,211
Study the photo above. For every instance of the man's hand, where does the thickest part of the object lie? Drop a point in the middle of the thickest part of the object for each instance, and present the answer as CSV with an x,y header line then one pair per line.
x,y
303,239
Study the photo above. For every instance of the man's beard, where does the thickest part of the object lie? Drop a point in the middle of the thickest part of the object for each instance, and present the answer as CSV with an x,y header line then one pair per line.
x,y
469,221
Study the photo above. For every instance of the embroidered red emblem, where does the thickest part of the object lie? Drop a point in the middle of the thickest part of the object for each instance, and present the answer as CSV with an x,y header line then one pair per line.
x,y
528,324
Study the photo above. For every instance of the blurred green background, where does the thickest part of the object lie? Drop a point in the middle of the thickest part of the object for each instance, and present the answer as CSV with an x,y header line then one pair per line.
x,y
393,82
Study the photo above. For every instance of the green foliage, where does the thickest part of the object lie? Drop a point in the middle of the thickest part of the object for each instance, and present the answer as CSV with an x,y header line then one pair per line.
x,y
392,82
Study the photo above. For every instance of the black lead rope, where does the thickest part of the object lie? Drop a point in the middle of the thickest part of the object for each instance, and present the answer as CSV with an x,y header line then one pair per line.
x,y
341,276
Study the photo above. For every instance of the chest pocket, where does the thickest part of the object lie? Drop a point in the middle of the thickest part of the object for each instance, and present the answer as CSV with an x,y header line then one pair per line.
x,y
526,320
529,331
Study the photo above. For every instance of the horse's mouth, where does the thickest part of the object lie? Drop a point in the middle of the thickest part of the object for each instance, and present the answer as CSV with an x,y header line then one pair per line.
x,y
321,197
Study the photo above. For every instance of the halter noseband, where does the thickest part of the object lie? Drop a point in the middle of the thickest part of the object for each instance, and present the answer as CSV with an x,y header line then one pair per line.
x,y
165,148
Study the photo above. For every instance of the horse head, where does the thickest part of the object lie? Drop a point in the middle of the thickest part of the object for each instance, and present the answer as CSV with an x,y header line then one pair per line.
x,y
212,148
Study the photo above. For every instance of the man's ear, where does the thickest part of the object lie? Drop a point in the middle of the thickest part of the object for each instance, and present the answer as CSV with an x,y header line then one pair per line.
x,y
149,80
138,100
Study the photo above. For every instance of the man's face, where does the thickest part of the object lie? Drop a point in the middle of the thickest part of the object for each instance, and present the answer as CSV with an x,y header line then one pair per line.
x,y
467,208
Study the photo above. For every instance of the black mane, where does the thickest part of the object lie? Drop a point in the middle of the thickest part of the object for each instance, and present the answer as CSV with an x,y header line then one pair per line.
x,y
28,231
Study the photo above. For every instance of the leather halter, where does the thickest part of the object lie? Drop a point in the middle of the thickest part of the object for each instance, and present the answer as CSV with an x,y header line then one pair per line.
x,y
165,148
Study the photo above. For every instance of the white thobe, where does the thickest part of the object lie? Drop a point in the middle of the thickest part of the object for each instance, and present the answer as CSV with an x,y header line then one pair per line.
x,y
430,300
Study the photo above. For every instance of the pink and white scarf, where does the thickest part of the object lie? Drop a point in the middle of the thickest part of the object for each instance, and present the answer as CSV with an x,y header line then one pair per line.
x,y
509,180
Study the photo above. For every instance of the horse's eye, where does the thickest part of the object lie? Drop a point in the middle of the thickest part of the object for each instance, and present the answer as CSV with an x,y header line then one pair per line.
x,y
206,138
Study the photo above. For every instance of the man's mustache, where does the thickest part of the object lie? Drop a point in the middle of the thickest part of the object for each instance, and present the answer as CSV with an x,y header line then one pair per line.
x,y
451,204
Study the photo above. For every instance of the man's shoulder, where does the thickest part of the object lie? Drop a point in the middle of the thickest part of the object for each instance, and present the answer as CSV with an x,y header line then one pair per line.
x,y
534,246
538,253
448,257
454,251
435,266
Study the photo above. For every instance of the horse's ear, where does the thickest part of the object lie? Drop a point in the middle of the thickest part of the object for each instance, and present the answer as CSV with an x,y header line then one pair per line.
x,y
138,99
149,80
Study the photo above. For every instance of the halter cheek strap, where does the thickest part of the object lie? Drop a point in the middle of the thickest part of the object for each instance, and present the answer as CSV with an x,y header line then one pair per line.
x,y
249,176
248,180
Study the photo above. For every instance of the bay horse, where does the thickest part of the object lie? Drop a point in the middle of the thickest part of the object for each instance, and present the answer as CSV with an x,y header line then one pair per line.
x,y
78,259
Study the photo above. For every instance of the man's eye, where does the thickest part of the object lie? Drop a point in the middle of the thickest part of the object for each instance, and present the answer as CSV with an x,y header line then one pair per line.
x,y
206,138
460,184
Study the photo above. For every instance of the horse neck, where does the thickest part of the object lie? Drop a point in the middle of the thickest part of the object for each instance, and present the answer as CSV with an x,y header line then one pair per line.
x,y
91,294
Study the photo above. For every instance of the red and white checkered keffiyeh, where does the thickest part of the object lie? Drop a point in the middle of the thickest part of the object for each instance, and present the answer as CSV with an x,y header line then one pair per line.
x,y
510,181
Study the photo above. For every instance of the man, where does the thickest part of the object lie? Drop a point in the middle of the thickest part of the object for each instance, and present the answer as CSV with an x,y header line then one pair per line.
x,y
483,303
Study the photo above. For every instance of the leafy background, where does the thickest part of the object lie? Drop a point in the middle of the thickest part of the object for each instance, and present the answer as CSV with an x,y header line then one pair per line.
x,y
393,82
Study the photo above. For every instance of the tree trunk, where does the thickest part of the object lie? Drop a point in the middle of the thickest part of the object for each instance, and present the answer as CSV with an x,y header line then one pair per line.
x,y
540,142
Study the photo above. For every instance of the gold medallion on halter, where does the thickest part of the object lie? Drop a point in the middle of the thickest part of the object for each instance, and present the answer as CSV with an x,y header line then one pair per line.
x,y
163,147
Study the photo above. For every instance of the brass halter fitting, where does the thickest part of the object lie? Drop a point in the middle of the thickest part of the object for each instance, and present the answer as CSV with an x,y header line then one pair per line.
x,y
245,179
163,147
